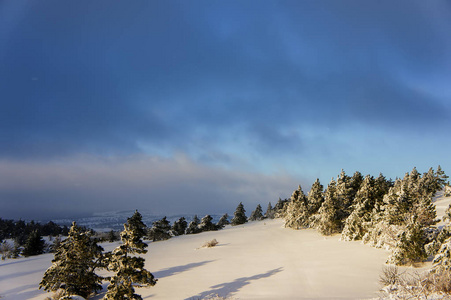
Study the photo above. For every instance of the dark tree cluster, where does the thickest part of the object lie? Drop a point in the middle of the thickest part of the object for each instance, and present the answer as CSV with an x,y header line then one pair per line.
x,y
162,229
10,229
27,237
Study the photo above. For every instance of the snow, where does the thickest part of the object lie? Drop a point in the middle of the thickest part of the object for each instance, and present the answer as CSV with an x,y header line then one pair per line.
x,y
257,260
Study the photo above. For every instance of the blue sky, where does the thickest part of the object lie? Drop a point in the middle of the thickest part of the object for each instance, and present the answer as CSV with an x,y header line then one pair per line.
x,y
195,106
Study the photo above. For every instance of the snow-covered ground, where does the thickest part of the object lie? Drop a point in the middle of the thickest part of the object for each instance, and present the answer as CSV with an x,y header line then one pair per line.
x,y
258,260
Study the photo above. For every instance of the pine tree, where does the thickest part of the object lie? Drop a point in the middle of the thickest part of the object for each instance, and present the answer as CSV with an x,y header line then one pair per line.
x,y
355,182
56,244
442,260
297,215
223,221
160,230
34,244
315,197
344,197
179,226
359,221
257,214
128,268
74,264
441,176
206,224
410,243
112,236
239,215
280,208
270,213
381,186
327,221
193,226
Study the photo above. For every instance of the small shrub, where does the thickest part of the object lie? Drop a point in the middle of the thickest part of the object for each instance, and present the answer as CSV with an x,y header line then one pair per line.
x,y
415,285
390,275
210,244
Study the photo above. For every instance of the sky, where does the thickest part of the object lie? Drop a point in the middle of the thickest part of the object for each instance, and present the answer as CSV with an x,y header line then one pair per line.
x,y
194,106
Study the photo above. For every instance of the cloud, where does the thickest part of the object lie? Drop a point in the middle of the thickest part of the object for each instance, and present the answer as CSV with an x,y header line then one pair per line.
x,y
160,74
83,185
244,91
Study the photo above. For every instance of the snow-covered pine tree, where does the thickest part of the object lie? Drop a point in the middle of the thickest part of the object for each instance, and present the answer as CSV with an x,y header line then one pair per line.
x,y
441,177
55,244
315,197
223,221
270,213
74,264
410,243
34,244
112,237
179,227
381,185
160,230
257,214
128,267
355,182
344,196
327,221
442,260
359,221
297,215
193,226
239,215
206,224
280,208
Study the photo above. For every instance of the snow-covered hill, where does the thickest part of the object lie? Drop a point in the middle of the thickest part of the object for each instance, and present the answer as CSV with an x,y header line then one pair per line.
x,y
258,260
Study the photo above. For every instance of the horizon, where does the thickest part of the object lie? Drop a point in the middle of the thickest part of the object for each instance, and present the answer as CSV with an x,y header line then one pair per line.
x,y
177,107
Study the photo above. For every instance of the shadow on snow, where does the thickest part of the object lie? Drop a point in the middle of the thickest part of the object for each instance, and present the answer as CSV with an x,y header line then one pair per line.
x,y
228,288
179,269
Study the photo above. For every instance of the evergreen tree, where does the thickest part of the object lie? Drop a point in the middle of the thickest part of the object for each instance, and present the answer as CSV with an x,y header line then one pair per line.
x,y
344,197
223,221
441,177
297,215
112,236
381,186
74,264
298,195
327,221
160,230
34,244
410,243
315,197
270,213
128,268
280,208
442,260
193,226
206,224
56,244
239,215
359,221
257,214
16,250
355,182
179,226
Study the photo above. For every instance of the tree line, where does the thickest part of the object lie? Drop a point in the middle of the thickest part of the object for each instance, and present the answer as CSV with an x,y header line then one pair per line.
x,y
397,215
